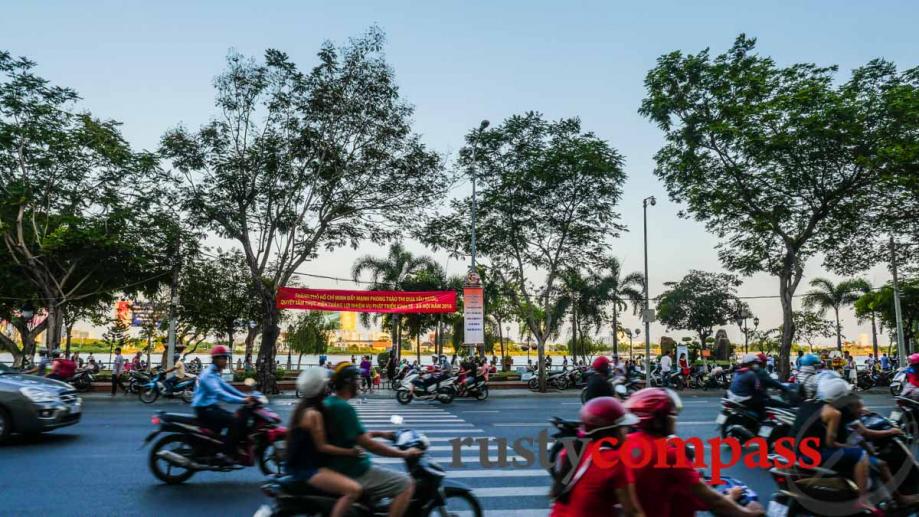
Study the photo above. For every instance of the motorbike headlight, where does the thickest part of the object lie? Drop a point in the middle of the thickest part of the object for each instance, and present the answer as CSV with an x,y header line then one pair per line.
x,y
38,394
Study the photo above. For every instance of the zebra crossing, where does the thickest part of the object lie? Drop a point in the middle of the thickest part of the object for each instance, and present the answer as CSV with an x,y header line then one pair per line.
x,y
512,492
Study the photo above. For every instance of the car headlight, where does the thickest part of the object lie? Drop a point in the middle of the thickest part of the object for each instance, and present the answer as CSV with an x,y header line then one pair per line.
x,y
38,394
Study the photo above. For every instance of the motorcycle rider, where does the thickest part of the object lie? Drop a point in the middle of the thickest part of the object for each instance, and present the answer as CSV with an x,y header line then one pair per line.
x,y
748,386
911,387
596,487
210,390
676,490
181,373
807,375
598,384
830,418
62,368
347,431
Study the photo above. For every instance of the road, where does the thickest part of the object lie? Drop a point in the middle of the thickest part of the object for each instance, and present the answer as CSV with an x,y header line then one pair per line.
x,y
97,467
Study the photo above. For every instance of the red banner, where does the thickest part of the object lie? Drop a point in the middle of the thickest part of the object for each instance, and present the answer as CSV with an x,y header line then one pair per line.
x,y
366,301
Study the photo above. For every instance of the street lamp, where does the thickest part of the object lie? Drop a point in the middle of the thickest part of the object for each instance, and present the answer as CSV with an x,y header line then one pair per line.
x,y
637,333
475,144
741,319
646,314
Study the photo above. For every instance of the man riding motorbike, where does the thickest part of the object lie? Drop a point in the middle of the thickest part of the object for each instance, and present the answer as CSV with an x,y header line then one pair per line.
x,y
807,375
911,388
179,369
210,390
677,490
345,430
748,386
600,480
598,384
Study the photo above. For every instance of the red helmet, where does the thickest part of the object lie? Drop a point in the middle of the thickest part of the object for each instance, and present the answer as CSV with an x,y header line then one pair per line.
x,y
651,404
604,413
914,358
762,358
220,351
601,364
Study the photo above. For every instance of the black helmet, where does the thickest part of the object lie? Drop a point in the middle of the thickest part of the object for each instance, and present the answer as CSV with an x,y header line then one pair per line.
x,y
344,374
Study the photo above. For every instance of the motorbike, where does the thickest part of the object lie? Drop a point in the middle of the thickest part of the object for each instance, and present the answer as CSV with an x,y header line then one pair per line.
x,y
906,415
736,420
554,380
622,387
189,447
896,385
477,388
399,376
156,388
819,491
82,380
137,379
433,495
442,389
577,376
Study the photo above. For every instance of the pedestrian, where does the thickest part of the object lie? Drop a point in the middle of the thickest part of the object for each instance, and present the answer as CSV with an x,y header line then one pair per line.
x,y
136,362
118,363
666,363
565,362
870,363
849,367
770,363
798,360
353,360
885,362
365,373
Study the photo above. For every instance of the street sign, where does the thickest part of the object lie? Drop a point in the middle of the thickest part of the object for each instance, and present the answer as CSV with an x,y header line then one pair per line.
x,y
473,316
648,315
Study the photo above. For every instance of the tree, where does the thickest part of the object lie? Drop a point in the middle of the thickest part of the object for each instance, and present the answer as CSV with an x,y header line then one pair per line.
x,y
828,296
310,334
699,302
393,273
300,163
882,302
778,162
623,290
16,294
547,198
79,213
810,326
867,308
115,336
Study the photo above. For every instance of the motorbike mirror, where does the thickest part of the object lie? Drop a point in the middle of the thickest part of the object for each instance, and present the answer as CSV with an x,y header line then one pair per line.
x,y
396,419
250,382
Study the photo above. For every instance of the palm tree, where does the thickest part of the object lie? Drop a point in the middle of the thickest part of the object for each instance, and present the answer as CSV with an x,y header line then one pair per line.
x,y
826,296
866,308
621,291
392,273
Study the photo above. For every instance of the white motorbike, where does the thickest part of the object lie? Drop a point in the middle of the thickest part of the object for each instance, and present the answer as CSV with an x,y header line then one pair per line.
x,y
435,386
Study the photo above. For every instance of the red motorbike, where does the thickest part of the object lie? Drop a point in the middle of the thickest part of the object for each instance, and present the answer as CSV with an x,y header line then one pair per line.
x,y
190,447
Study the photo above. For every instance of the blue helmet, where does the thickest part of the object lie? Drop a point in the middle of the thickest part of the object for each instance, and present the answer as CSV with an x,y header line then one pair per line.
x,y
810,360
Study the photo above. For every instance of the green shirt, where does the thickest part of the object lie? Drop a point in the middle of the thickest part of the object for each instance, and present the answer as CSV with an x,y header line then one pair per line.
x,y
342,429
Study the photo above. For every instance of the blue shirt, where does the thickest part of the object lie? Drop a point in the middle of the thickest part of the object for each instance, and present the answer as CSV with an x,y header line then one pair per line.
x,y
885,363
745,383
212,389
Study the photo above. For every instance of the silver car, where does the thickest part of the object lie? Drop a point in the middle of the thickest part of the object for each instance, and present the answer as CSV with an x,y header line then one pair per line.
x,y
30,404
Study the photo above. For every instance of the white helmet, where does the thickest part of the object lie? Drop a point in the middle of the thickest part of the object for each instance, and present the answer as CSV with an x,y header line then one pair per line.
x,y
749,359
832,389
312,381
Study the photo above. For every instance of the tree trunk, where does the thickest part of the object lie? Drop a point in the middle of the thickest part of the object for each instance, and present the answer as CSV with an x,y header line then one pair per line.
x,y
265,366
615,327
541,360
786,291
299,360
838,332
395,333
418,346
574,332
69,332
874,336
10,346
53,332
250,344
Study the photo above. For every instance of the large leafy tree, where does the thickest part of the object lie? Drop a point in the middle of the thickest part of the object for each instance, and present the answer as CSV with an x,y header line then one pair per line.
x,y
623,289
310,333
699,302
827,296
547,204
78,207
811,326
881,302
867,308
299,163
397,271
778,162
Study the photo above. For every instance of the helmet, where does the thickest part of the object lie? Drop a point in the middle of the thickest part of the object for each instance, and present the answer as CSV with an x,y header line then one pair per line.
x,y
601,364
220,351
343,373
762,358
603,413
810,360
749,359
650,404
832,389
311,381
914,358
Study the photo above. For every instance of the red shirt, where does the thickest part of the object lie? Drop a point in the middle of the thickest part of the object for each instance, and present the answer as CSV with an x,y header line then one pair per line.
x,y
593,494
663,492
64,368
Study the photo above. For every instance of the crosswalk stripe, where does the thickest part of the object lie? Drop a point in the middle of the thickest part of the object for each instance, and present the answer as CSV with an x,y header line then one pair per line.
x,y
446,460
534,512
495,473
512,491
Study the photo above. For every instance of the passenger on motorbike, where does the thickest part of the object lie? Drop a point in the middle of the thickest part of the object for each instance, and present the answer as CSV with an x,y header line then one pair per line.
x,y
748,387
598,384
829,418
307,445
595,487
210,390
179,369
676,490
807,375
911,388
62,368
345,430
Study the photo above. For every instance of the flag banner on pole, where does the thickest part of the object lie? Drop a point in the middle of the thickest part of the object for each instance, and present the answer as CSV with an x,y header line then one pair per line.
x,y
402,302
473,316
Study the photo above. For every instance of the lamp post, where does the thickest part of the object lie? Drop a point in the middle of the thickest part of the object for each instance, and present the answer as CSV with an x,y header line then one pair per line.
x,y
646,314
637,333
252,325
475,144
528,348
27,313
741,319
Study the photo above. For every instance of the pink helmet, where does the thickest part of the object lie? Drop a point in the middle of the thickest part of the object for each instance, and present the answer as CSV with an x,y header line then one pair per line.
x,y
914,358
603,413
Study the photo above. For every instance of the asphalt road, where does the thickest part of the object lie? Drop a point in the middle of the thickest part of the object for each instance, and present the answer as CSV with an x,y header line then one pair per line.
x,y
98,468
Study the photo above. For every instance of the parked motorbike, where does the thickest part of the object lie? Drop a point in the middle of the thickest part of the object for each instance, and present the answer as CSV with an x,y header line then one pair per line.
x,y
433,495
577,376
137,379
189,447
82,380
156,388
899,380
400,375
442,389
554,380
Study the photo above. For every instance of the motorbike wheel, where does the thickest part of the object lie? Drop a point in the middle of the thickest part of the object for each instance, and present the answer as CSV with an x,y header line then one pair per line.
x,y
533,384
894,390
561,384
149,396
270,460
482,393
584,396
457,502
187,395
446,396
403,397
162,469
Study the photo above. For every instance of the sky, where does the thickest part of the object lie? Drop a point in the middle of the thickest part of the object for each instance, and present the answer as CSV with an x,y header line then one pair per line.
x,y
150,65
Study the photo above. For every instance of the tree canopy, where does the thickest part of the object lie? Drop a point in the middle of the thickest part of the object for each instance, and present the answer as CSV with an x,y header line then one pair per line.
x,y
699,302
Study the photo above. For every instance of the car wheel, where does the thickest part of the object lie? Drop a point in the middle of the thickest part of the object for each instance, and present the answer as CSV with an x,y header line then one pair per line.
x,y
6,424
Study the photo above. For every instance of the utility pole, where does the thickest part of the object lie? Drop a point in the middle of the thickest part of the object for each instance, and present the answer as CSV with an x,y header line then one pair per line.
x,y
646,314
475,144
173,303
901,345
